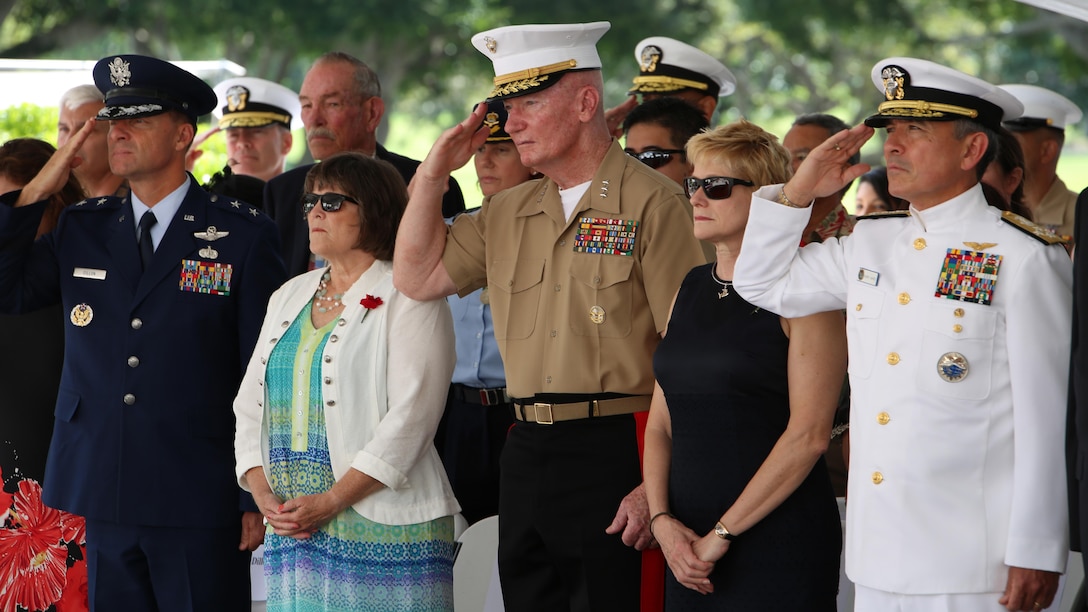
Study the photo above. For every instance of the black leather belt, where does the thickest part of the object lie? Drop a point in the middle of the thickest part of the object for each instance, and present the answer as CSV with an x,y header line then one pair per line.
x,y
481,397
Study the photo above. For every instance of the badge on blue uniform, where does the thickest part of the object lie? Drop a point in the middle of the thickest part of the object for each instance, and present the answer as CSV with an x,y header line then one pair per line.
x,y
968,276
205,277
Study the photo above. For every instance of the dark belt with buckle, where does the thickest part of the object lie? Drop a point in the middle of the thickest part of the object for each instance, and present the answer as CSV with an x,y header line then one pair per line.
x,y
481,397
548,413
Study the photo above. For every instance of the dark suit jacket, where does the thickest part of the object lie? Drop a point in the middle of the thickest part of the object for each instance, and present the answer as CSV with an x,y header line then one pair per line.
x,y
283,197
1077,423
144,428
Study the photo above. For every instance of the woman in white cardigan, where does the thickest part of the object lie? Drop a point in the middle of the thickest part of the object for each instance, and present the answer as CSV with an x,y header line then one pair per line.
x,y
338,409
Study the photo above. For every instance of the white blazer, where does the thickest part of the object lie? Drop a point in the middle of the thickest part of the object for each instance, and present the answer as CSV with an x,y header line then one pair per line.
x,y
386,373
954,474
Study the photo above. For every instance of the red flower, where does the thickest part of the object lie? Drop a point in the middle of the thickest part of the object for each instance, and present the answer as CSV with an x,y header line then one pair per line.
x,y
370,302
35,556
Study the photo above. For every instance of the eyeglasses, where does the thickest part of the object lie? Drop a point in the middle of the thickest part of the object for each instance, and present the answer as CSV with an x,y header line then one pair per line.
x,y
330,202
715,187
656,158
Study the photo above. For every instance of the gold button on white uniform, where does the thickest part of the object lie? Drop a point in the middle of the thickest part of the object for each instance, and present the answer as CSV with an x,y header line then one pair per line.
x,y
858,307
958,313
893,358
957,328
904,298
883,418
919,244
878,478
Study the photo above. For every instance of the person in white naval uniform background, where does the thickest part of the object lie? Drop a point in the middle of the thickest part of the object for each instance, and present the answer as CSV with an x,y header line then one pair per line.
x,y
958,323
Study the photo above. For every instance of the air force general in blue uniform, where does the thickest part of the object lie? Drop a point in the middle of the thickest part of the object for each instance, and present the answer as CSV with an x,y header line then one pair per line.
x,y
154,353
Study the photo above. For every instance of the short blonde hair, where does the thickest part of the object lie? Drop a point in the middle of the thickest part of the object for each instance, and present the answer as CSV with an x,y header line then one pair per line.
x,y
752,152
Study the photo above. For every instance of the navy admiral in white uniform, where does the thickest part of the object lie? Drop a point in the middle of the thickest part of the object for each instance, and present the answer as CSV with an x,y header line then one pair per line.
x,y
162,317
958,321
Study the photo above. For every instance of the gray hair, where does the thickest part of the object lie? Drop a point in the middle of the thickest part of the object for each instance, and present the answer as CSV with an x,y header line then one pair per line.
x,y
366,80
80,95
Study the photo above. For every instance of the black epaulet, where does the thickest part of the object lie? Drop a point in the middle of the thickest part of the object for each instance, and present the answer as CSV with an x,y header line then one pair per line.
x,y
236,206
886,214
100,203
1033,229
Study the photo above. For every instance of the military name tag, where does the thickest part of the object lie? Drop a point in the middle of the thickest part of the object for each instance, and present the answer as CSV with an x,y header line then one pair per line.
x,y
607,236
205,277
968,276
868,276
91,273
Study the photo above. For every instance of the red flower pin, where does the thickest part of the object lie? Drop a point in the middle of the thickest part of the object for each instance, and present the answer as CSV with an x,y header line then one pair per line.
x,y
371,302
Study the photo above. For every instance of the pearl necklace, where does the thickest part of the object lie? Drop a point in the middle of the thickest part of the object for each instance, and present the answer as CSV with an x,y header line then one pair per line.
x,y
725,284
323,302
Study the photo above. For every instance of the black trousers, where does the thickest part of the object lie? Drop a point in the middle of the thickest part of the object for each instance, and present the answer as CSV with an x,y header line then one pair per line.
x,y
470,440
561,487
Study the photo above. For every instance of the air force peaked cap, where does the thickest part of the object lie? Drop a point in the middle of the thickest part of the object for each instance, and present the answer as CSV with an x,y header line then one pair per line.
x,y
252,102
529,58
1042,108
141,86
916,89
667,65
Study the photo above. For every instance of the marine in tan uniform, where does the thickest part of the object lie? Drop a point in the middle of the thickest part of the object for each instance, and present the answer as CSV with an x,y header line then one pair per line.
x,y
1041,134
581,267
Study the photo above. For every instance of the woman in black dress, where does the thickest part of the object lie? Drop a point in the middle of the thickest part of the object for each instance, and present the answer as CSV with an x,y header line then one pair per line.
x,y
739,496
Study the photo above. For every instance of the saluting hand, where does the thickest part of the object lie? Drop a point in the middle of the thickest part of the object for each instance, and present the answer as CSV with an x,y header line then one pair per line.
x,y
452,150
827,169
54,174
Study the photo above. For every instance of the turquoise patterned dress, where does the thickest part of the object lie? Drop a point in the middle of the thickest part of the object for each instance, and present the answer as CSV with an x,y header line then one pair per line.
x,y
351,563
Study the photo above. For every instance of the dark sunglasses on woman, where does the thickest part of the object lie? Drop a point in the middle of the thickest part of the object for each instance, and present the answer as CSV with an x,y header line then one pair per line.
x,y
656,158
330,202
715,187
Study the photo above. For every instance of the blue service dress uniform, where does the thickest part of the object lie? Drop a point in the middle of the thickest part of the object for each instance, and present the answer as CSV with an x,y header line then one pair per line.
x,y
144,425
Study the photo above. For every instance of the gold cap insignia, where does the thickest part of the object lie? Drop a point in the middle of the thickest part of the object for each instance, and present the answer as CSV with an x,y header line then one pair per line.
x,y
119,72
491,120
894,79
491,44
237,96
650,56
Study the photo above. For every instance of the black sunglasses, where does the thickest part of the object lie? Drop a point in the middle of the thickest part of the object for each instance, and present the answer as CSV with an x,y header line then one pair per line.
x,y
656,158
715,187
330,202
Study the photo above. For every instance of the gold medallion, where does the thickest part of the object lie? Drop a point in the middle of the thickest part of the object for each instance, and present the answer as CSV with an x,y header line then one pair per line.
x,y
952,367
596,315
81,315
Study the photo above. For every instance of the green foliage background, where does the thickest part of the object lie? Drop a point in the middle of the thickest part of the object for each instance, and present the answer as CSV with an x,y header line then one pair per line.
x,y
790,56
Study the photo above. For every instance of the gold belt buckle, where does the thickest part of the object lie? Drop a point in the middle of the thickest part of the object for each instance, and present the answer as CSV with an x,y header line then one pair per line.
x,y
541,421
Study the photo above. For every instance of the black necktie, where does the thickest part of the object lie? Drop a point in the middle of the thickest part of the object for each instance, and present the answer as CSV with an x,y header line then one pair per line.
x,y
143,238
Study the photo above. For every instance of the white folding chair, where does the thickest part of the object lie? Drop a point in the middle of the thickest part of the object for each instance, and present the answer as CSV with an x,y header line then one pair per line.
x,y
476,569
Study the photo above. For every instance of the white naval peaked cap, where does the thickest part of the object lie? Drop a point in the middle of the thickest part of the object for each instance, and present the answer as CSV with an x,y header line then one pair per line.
x,y
253,102
923,90
667,65
532,57
1042,108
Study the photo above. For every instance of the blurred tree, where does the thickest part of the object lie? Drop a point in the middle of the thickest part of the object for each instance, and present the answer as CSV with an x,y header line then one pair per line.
x,y
789,56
